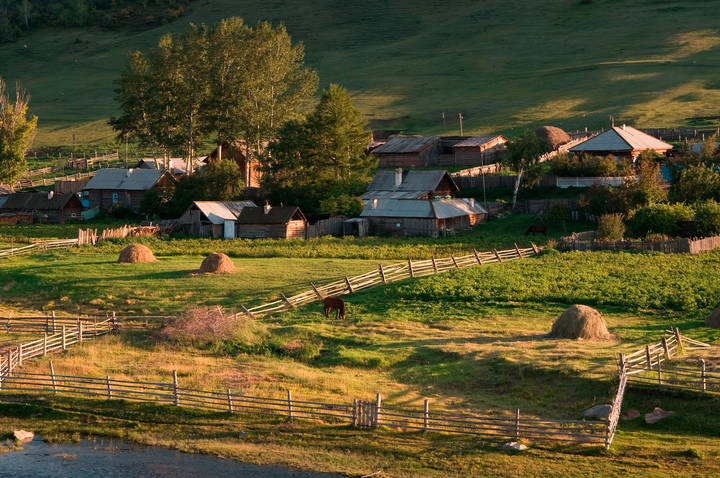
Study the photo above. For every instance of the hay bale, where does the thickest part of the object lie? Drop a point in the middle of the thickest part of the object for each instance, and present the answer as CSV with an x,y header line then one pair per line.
x,y
553,135
580,322
136,253
217,263
713,320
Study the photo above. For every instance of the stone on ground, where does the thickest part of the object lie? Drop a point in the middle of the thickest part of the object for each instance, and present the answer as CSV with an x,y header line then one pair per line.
x,y
514,446
598,411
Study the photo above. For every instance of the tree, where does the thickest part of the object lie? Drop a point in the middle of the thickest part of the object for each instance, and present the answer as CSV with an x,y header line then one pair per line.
x,y
647,189
523,152
16,133
696,183
322,157
135,96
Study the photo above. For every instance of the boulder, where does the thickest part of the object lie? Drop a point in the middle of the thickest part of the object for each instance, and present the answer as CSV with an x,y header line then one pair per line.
x,y
631,414
23,436
514,446
656,415
598,411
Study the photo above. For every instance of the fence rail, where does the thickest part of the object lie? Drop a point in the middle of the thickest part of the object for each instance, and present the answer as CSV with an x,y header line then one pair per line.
x,y
387,274
38,246
49,323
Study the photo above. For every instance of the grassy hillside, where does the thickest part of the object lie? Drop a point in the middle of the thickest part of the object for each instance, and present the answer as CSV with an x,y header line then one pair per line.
x,y
503,64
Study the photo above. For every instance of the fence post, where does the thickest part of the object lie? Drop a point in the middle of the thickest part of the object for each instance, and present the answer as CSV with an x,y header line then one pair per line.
x,y
175,388
378,405
247,312
19,353
477,257
702,375
317,292
647,357
349,286
45,344
455,262
665,348
434,264
53,320
517,249
517,424
229,399
289,400
285,299
8,321
412,273
382,273
80,331
497,255
114,322
659,371
64,344
354,413
107,377
535,249
678,337
52,377
426,414
9,361
47,322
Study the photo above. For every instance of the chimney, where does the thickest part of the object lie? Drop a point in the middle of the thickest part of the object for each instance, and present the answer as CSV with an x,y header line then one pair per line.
x,y
398,177
267,207
472,202
51,194
129,172
170,164
623,126
373,203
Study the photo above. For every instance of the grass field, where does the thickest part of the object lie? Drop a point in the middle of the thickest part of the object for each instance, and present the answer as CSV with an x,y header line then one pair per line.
x,y
467,340
504,65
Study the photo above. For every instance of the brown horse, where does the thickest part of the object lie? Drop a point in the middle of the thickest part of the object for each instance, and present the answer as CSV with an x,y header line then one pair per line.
x,y
536,229
336,303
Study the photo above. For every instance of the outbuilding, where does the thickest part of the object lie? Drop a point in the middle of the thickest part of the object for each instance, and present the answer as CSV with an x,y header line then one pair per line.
x,y
213,218
479,150
275,222
407,151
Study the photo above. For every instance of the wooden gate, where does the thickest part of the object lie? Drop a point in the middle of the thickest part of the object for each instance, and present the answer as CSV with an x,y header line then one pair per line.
x,y
366,414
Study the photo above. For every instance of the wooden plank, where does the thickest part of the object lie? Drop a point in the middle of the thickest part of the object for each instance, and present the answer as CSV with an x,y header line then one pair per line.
x,y
246,311
477,257
349,285
410,268
317,293
455,262
497,255
382,273
434,263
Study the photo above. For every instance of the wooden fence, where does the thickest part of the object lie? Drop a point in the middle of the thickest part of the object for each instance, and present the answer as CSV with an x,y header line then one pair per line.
x,y
91,236
38,247
387,274
50,323
665,245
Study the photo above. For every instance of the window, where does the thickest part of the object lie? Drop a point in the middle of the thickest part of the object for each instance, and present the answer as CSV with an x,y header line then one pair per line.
x,y
115,198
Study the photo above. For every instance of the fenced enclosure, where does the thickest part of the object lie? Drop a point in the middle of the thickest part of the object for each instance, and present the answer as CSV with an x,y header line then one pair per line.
x,y
665,245
51,323
385,275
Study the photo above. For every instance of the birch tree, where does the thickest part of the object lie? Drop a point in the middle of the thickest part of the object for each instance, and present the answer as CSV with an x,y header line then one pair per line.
x,y
17,131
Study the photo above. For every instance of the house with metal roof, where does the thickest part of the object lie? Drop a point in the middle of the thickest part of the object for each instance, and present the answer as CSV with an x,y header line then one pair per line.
x,y
422,217
126,187
40,206
407,151
213,218
623,142
413,184
275,222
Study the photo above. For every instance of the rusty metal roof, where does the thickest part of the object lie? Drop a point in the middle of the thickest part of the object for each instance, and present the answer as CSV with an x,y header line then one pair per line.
x,y
477,141
406,144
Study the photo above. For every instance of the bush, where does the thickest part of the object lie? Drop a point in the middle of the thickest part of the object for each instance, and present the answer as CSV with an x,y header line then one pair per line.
x,y
696,183
587,166
707,218
342,205
660,219
611,227
557,214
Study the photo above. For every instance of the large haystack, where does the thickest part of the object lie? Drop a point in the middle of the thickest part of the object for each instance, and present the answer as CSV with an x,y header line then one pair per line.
x,y
553,135
136,253
217,263
580,322
713,320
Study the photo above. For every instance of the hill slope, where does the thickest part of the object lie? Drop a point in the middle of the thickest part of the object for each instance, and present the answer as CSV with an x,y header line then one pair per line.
x,y
503,64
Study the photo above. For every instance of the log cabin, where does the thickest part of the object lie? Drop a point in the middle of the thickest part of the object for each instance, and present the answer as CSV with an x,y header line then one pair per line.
x,y
125,187
275,222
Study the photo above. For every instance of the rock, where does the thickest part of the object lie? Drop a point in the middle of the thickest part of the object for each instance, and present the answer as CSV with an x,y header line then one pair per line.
x,y
630,414
514,446
23,436
598,411
656,415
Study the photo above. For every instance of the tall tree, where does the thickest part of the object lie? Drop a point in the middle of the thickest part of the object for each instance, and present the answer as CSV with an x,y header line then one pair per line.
x,y
522,153
16,133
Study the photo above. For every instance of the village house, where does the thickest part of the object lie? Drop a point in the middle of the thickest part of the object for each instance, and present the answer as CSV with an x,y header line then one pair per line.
x,y
236,151
413,184
28,207
479,150
125,187
213,218
424,151
407,151
623,142
275,222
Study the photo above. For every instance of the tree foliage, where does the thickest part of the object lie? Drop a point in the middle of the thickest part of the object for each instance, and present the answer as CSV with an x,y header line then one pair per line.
x,y
697,182
707,218
660,219
524,152
16,133
571,165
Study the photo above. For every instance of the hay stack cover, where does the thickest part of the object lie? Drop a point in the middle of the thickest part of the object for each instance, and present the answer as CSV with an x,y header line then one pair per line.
x,y
136,253
580,322
713,320
553,135
217,263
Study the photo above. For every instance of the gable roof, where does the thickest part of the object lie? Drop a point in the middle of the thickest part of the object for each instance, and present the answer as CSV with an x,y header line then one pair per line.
x,y
218,212
477,141
415,183
621,138
36,201
276,215
6,189
134,179
421,208
406,144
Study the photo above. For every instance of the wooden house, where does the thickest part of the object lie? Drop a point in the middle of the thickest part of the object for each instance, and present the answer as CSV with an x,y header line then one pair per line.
x,y
213,218
276,222
407,151
413,184
622,142
125,187
41,207
243,156
479,150
176,166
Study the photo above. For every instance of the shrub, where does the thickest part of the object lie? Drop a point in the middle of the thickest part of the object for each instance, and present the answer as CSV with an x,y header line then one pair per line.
x,y
660,219
696,183
611,227
557,214
707,217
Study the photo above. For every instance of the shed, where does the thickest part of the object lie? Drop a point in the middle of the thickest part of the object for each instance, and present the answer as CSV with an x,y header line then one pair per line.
x,y
276,222
479,150
413,184
407,151
422,217
623,142
126,187
213,218
41,206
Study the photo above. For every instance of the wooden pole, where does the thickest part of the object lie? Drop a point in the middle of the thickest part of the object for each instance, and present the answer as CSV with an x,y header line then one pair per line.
x,y
20,354
52,377
435,267
287,302
382,273
517,424
702,375
289,400
114,321
378,406
647,357
47,321
246,311
64,340
45,344
317,292
80,331
412,273
497,255
176,395
665,348
455,262
354,413
8,321
109,390
678,337
229,401
535,248
53,322
426,414
659,370
477,257
349,285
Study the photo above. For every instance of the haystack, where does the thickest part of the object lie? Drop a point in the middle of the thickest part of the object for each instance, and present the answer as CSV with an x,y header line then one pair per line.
x,y
217,263
136,253
713,320
553,135
580,322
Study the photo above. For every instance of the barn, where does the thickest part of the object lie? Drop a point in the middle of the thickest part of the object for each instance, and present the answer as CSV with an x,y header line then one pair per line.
x,y
275,222
26,207
479,150
213,218
622,142
407,151
125,187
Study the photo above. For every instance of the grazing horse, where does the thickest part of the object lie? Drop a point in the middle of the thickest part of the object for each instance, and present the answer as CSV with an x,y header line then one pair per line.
x,y
537,229
336,303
